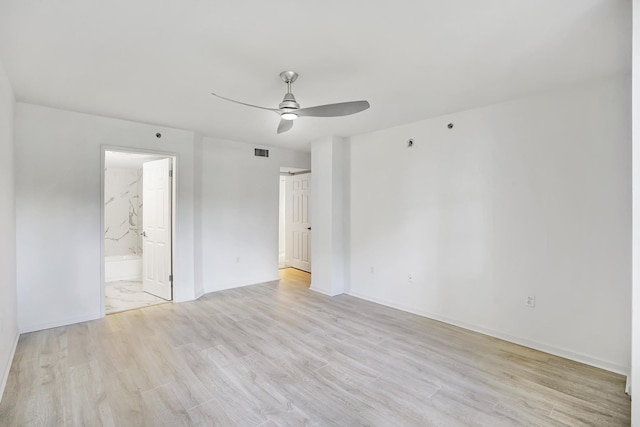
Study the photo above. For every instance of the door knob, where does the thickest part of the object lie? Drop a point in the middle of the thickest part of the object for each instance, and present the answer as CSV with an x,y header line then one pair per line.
x,y
308,228
144,234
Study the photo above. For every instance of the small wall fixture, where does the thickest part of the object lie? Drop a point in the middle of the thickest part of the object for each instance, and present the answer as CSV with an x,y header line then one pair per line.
x,y
450,125
410,143
158,135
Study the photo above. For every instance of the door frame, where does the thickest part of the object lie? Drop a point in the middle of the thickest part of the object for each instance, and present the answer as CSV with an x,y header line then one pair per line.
x,y
174,187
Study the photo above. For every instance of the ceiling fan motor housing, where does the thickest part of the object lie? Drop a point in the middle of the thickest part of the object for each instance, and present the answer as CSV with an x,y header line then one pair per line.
x,y
289,102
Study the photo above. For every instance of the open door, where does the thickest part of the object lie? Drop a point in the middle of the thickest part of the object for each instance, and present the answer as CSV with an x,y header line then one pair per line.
x,y
301,222
157,275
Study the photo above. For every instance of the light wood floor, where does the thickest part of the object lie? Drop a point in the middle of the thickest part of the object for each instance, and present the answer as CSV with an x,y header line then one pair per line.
x,y
277,354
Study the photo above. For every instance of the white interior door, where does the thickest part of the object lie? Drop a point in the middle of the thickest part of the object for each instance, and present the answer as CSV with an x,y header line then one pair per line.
x,y
156,222
301,222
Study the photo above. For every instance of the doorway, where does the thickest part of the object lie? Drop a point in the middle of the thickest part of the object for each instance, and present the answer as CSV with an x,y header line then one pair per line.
x,y
138,214
295,219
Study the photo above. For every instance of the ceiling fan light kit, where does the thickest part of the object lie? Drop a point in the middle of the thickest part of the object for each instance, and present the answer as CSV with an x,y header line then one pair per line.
x,y
289,109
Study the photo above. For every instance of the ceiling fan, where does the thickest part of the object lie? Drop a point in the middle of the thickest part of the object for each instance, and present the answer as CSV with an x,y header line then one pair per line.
x,y
289,109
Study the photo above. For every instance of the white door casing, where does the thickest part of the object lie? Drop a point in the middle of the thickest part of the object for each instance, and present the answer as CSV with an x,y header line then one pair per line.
x,y
156,223
301,222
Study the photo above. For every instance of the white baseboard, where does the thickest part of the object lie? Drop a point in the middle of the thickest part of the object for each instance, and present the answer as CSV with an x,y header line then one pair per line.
x,y
627,386
57,323
323,292
7,368
556,351
198,294
241,285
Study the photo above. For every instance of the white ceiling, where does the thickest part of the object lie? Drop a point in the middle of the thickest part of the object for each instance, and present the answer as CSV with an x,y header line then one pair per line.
x,y
157,61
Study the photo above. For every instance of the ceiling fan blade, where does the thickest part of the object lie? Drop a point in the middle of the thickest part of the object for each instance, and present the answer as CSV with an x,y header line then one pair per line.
x,y
285,125
244,103
333,110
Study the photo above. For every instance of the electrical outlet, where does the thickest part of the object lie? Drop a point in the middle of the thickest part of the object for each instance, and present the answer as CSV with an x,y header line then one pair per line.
x,y
237,259
410,278
371,270
530,302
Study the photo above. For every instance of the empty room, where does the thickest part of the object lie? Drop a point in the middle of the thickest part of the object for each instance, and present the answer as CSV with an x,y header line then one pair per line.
x,y
250,213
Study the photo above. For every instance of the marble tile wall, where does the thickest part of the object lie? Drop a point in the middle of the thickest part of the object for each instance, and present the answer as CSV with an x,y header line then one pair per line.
x,y
122,211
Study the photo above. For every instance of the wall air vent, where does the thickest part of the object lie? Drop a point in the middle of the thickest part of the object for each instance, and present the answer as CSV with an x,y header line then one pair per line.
x,y
261,152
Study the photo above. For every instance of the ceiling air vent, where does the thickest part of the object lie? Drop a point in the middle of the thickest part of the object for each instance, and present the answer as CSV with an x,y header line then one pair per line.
x,y
261,152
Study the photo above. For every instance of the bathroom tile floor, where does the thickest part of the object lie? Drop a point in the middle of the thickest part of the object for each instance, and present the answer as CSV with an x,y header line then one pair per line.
x,y
125,295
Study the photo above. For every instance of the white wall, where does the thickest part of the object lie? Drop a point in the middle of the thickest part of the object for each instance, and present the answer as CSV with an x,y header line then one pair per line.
x,y
529,197
237,216
328,215
58,201
8,296
635,358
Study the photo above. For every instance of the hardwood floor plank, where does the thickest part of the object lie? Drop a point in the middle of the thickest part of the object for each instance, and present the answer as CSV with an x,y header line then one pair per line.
x,y
277,354
88,404
217,413
163,408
